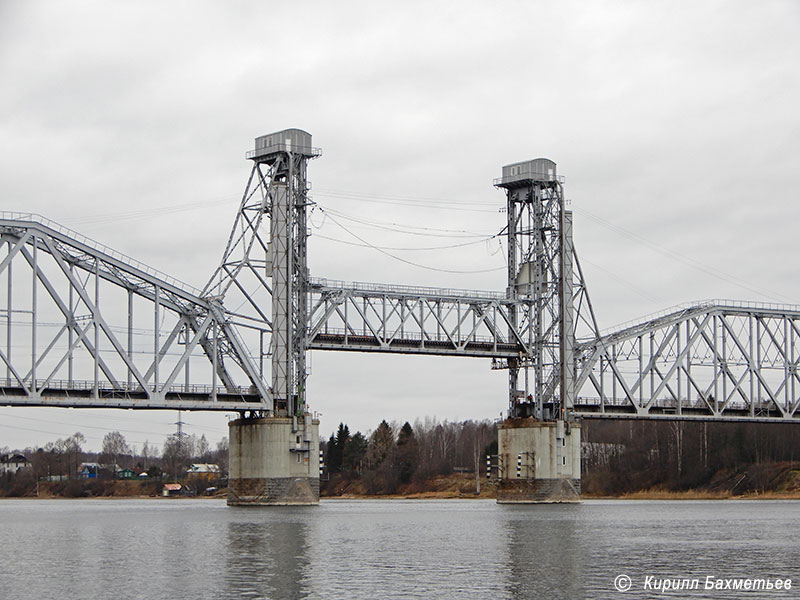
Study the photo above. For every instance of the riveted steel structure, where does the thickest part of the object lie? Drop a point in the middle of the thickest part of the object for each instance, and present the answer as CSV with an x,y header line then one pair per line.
x,y
712,360
272,271
86,326
541,290
83,325
411,320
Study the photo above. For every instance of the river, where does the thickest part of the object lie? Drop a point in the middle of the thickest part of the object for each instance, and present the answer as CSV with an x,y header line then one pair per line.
x,y
198,548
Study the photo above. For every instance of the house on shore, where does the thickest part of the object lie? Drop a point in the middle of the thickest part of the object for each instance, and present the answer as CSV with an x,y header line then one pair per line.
x,y
12,463
172,489
89,470
205,471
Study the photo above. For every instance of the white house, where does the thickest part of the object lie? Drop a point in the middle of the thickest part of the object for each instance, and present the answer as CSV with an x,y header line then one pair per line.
x,y
11,463
205,469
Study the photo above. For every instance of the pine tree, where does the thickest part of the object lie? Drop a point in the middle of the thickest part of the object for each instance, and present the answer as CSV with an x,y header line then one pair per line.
x,y
336,446
354,452
406,453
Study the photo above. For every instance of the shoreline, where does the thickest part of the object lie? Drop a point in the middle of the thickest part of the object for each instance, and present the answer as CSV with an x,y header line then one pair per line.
x,y
641,495
655,496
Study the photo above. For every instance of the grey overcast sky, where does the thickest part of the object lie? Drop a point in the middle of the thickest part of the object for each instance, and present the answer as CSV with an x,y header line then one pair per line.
x,y
675,124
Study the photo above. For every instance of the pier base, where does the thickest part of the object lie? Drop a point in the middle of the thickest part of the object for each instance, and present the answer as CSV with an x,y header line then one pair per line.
x,y
539,461
274,461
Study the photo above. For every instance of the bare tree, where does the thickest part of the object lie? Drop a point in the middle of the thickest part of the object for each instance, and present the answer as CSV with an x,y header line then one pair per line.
x,y
73,447
115,447
175,456
202,450
380,444
221,456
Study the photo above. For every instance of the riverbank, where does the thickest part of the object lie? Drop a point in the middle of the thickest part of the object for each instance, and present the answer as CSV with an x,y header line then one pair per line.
x,y
767,481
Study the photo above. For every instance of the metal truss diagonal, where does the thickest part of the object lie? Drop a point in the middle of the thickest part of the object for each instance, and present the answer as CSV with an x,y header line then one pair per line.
x,y
409,320
714,360
87,326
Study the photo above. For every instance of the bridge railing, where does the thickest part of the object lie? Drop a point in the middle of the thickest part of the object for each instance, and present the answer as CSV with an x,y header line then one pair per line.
x,y
595,403
411,336
410,290
711,303
63,385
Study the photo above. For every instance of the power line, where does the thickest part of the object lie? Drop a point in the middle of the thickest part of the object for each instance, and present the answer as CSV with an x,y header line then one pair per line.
x,y
83,426
403,200
145,213
481,241
681,258
403,260
402,228
88,437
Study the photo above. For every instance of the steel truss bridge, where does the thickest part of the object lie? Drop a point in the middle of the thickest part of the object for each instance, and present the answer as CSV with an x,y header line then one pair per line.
x,y
82,325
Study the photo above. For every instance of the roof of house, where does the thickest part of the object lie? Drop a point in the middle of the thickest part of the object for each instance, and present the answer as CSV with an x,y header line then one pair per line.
x,y
13,458
203,468
172,487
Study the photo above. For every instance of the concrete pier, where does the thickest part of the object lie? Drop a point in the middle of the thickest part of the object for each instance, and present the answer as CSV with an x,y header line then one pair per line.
x,y
273,461
540,461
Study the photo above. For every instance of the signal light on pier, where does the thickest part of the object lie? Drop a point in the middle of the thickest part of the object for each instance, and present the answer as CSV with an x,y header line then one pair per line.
x,y
519,465
488,467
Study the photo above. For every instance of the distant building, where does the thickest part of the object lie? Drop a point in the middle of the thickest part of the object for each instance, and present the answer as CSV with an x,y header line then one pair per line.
x,y
89,470
126,474
11,463
172,489
205,470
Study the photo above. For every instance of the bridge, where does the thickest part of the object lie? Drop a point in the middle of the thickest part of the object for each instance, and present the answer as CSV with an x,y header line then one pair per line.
x,y
82,325
99,329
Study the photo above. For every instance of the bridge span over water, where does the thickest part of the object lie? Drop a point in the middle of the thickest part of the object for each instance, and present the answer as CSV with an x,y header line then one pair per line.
x,y
86,326
82,325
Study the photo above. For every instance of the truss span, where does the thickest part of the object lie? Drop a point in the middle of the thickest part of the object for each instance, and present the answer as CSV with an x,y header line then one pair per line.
x,y
82,325
367,317
712,360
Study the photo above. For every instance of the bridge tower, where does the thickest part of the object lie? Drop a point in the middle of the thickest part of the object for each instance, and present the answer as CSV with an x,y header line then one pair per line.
x,y
539,448
274,452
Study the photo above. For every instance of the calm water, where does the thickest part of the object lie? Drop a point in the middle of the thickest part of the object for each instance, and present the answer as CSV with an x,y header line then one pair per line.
x,y
194,549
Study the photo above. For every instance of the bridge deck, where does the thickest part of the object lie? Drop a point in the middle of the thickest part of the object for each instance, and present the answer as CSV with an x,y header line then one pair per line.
x,y
592,408
83,394
413,345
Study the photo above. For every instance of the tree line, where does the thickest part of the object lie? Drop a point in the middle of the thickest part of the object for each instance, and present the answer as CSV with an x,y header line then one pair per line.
x,y
394,455
626,456
61,459
617,456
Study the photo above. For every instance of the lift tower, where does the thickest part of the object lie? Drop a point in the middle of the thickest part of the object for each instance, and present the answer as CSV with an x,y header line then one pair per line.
x,y
274,457
277,189
540,280
535,438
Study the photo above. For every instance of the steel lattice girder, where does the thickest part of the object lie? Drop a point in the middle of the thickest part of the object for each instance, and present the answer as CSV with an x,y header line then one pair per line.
x,y
717,360
65,274
373,318
264,271
713,360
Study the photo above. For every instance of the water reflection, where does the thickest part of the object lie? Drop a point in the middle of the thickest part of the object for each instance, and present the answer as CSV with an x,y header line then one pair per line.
x,y
266,552
198,550
407,549
544,558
